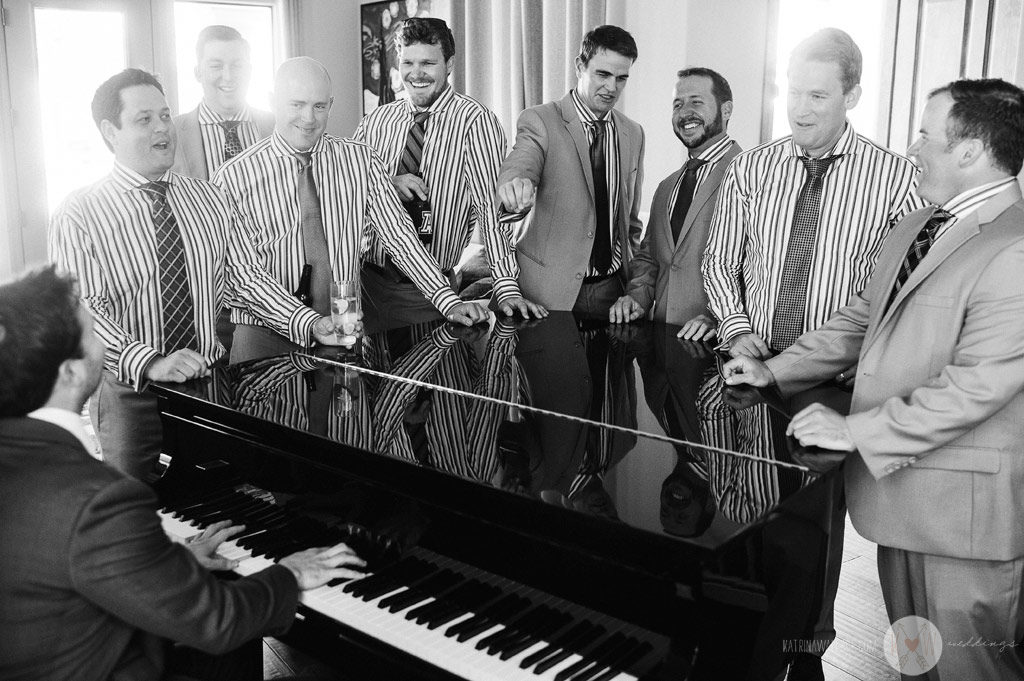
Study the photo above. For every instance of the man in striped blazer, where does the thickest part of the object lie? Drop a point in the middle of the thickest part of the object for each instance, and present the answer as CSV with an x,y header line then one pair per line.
x,y
444,148
155,254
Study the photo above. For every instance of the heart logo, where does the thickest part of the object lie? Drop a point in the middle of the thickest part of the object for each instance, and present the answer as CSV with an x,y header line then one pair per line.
x,y
912,643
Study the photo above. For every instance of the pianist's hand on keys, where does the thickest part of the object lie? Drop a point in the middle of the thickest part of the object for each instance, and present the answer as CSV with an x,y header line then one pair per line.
x,y
312,568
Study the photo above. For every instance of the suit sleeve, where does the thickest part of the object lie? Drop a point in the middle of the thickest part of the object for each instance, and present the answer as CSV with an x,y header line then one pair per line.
x,y
643,272
636,227
986,371
120,559
527,156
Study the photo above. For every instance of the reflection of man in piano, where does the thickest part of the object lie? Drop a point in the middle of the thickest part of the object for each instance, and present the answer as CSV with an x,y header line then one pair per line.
x,y
97,595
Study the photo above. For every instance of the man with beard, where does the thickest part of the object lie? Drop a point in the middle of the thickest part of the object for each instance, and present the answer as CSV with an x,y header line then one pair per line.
x,y
666,270
443,150
577,168
800,220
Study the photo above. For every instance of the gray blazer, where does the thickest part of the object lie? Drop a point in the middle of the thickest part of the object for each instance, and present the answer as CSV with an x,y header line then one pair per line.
x,y
190,157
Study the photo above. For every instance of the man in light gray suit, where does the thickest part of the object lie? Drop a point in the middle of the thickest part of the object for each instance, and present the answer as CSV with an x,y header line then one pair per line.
x,y
666,270
577,167
937,418
223,124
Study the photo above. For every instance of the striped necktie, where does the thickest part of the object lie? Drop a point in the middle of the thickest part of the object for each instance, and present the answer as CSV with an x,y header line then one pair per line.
x,y
232,144
788,321
918,249
177,307
413,152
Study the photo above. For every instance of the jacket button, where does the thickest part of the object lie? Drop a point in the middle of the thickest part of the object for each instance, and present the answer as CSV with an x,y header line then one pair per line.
x,y
579,275
590,235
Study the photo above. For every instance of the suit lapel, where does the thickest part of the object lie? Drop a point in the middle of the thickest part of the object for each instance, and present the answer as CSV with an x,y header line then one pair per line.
x,y
705,191
574,126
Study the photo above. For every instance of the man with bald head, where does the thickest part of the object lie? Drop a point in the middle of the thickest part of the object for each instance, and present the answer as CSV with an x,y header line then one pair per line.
x,y
316,199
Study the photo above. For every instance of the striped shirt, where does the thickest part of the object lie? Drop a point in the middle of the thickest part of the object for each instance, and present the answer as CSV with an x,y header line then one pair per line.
x,y
865,192
967,202
213,134
104,235
462,150
611,169
711,156
357,202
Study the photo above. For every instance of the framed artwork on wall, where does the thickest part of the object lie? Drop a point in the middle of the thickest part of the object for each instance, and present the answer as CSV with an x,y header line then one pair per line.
x,y
380,21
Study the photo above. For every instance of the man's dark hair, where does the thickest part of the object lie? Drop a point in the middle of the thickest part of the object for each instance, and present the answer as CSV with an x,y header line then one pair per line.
x,y
427,31
39,329
832,45
607,37
107,103
210,34
719,85
990,110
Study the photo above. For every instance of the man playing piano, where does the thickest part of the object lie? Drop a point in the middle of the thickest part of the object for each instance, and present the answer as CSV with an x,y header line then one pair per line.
x,y
90,585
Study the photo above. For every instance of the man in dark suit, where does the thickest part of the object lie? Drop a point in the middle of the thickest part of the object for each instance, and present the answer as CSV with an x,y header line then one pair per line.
x,y
223,124
577,167
937,417
90,585
666,270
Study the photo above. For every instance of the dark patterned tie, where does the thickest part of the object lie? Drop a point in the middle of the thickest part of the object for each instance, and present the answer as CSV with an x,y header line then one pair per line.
x,y
175,294
601,255
314,242
918,249
788,322
685,196
232,145
413,152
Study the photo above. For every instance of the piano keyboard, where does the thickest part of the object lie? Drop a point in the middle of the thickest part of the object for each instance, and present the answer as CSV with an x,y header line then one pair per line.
x,y
474,624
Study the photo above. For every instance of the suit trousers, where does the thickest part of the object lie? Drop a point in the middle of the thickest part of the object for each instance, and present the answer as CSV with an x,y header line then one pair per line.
x,y
594,300
975,605
127,425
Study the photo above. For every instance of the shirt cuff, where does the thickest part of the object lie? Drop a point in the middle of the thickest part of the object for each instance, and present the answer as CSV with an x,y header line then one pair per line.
x,y
132,364
445,300
734,325
300,326
505,288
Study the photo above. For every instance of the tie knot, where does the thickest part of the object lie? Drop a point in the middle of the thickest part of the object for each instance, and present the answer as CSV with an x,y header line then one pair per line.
x,y
693,164
305,158
420,117
229,126
816,167
158,189
938,218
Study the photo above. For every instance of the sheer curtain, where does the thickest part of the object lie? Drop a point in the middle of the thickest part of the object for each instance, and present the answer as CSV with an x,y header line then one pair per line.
x,y
514,54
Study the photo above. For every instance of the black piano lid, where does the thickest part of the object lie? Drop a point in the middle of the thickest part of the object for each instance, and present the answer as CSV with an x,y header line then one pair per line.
x,y
514,413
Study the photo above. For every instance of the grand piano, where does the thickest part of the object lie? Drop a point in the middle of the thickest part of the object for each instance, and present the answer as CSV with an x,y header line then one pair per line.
x,y
553,499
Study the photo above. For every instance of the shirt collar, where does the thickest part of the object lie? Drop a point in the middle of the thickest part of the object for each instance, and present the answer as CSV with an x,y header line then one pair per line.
x,y
208,116
282,148
845,145
967,202
126,179
584,112
438,106
716,150
68,420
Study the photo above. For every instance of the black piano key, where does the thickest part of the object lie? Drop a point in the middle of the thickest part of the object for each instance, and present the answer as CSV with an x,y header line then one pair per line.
x,y
566,638
418,593
606,661
399,574
485,622
625,663
445,600
581,644
596,654
513,629
486,595
497,606
529,638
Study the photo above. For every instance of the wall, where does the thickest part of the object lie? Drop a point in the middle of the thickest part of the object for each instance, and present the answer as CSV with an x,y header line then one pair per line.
x,y
329,31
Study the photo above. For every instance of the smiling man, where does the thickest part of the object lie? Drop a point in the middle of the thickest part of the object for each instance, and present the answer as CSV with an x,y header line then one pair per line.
x,y
666,271
223,124
801,220
156,254
315,199
577,169
443,150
